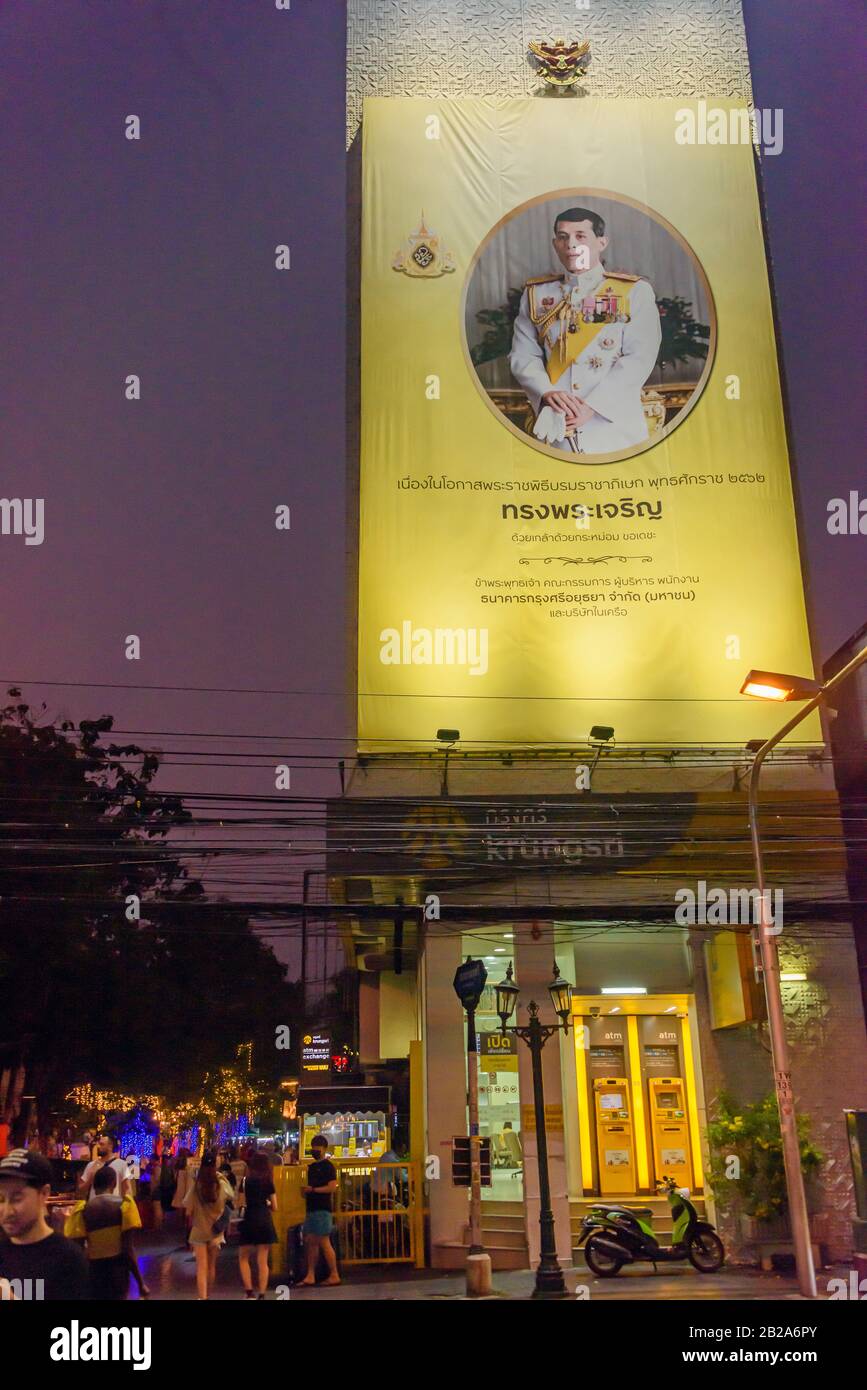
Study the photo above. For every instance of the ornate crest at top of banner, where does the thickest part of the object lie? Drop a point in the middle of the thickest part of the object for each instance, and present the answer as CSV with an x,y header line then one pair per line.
x,y
423,254
562,64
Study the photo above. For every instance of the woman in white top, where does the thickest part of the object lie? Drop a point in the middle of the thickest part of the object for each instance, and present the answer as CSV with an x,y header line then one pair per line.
x,y
205,1203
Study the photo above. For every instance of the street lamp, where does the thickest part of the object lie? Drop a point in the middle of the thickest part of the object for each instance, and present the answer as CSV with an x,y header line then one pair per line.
x,y
774,685
549,1275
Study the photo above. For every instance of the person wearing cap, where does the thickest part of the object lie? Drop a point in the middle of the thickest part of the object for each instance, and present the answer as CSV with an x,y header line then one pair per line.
x,y
33,1252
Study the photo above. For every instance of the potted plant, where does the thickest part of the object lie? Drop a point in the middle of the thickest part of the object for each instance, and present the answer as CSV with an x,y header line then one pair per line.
x,y
682,336
747,1172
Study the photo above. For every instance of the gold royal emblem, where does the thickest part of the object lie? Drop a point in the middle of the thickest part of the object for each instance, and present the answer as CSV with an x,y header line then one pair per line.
x,y
562,64
423,255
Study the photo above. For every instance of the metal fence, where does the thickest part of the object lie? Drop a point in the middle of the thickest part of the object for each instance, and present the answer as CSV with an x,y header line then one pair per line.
x,y
378,1212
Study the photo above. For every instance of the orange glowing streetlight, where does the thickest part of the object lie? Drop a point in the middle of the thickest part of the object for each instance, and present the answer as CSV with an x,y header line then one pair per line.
x,y
775,685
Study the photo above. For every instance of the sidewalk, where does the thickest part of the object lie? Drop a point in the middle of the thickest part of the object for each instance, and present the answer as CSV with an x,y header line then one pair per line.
x,y
170,1273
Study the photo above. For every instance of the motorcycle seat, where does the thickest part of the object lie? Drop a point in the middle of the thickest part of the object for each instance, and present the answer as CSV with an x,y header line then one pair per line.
x,y
632,1211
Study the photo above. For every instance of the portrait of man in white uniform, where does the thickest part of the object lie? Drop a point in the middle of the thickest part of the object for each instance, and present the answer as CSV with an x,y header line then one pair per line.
x,y
584,343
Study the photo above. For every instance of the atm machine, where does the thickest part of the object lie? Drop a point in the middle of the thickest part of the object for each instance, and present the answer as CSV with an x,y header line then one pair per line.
x,y
670,1129
615,1142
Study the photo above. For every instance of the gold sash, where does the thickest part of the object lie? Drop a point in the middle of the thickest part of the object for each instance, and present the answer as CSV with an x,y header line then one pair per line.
x,y
569,346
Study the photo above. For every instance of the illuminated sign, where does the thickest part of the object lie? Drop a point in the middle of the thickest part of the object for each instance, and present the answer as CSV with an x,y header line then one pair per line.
x,y
316,1052
617,559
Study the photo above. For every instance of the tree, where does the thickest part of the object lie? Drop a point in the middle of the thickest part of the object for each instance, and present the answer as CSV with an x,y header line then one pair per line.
x,y
90,993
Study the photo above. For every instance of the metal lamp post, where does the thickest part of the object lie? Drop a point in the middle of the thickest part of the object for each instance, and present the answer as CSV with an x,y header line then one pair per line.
x,y
469,982
770,685
549,1275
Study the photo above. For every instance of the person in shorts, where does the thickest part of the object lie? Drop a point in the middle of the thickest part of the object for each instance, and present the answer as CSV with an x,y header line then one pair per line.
x,y
319,1223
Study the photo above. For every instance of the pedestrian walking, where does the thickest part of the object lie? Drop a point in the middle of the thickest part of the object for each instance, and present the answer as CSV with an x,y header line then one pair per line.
x,y
257,1233
105,1222
319,1223
184,1177
106,1156
225,1167
148,1195
166,1184
209,1205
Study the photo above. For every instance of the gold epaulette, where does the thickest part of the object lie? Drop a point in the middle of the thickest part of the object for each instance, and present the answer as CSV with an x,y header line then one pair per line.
x,y
622,275
541,320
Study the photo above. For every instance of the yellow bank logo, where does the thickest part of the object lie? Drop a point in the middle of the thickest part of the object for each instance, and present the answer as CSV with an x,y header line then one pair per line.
x,y
434,835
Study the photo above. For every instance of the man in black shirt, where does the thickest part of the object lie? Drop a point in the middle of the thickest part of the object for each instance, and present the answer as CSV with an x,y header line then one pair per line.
x,y
321,1183
35,1262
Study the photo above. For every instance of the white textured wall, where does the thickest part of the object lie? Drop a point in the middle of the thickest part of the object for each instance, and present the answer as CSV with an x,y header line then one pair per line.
x,y
454,48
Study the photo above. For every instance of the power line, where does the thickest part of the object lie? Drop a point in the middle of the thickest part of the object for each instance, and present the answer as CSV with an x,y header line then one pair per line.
x,y
380,694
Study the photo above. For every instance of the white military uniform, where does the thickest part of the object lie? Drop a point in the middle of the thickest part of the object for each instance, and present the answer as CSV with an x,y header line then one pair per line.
x,y
595,334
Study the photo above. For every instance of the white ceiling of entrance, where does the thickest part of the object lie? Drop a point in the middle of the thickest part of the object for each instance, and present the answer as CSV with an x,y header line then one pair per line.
x,y
658,960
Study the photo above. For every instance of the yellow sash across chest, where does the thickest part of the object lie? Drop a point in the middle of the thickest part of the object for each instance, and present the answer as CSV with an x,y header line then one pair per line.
x,y
575,335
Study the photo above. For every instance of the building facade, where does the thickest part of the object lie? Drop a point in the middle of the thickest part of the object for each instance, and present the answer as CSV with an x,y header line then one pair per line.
x,y
512,857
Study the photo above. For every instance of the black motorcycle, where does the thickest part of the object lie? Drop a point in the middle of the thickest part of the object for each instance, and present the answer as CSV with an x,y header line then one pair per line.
x,y
617,1235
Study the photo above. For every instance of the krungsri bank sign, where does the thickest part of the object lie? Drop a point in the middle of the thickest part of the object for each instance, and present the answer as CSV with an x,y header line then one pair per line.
x,y
590,834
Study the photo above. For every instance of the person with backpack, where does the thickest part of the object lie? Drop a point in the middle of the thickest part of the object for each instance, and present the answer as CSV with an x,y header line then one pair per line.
x,y
208,1204
105,1223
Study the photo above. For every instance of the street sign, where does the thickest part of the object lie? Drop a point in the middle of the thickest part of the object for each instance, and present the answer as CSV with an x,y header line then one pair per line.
x,y
469,982
461,1176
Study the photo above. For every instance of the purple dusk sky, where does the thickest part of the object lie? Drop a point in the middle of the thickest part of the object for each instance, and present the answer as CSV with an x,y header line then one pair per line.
x,y
157,257
804,61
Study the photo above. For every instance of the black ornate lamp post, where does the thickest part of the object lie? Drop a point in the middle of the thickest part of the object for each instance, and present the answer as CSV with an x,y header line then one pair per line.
x,y
549,1275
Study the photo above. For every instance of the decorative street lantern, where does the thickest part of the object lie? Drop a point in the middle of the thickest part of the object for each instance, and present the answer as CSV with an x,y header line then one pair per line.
x,y
549,1275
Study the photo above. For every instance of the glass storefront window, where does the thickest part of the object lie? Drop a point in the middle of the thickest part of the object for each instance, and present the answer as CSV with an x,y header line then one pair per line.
x,y
499,1094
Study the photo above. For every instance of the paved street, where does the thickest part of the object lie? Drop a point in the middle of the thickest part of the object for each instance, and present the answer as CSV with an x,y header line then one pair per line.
x,y
170,1273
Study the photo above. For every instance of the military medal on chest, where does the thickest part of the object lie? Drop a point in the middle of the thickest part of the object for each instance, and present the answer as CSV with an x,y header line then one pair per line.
x,y
569,323
606,307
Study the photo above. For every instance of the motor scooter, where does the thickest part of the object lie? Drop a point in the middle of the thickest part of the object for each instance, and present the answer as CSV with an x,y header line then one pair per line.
x,y
615,1235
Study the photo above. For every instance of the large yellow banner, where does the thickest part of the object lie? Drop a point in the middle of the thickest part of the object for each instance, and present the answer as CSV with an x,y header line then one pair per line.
x,y
576,506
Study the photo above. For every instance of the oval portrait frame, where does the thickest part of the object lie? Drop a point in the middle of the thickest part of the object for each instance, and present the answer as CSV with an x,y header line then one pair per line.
x,y
592,460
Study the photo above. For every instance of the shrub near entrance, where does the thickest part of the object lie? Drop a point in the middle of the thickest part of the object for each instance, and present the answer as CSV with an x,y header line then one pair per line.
x,y
750,1134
